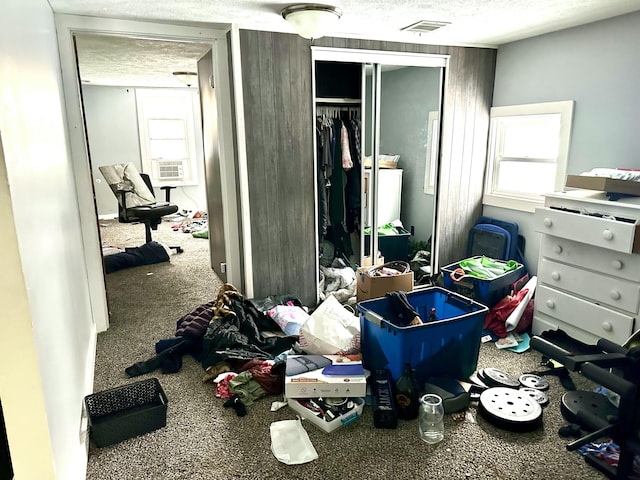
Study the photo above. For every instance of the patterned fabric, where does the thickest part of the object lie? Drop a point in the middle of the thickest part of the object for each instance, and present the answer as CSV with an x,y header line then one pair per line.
x,y
195,322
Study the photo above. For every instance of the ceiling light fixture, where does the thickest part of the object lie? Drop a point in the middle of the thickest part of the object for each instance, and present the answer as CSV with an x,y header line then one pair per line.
x,y
188,78
311,20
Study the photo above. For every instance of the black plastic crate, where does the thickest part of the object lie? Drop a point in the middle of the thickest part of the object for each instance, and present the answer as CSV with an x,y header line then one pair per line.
x,y
127,411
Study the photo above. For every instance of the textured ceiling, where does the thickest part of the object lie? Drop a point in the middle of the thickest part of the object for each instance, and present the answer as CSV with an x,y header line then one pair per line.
x,y
472,22
111,60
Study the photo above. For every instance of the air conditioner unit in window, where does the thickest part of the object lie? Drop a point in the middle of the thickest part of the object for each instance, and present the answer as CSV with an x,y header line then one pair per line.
x,y
170,170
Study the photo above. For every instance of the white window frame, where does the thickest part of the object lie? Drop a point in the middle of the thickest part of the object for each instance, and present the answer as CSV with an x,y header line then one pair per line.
x,y
498,116
146,111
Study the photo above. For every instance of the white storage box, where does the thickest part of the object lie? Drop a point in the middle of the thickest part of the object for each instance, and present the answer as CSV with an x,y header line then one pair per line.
x,y
316,384
345,419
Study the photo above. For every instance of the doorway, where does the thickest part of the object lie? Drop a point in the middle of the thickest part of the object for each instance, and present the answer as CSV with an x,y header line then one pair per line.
x,y
68,26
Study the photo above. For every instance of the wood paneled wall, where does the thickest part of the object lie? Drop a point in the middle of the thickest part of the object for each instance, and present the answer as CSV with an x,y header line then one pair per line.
x,y
276,79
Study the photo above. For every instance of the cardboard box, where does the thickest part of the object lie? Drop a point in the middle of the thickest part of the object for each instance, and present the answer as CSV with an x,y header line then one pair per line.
x,y
316,384
604,184
344,419
368,287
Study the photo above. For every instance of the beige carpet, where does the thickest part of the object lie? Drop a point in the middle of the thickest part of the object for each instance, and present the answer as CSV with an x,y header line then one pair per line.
x,y
203,440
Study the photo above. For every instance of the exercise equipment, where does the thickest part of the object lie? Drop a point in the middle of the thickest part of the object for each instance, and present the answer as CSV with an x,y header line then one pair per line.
x,y
537,395
534,381
494,377
616,368
510,409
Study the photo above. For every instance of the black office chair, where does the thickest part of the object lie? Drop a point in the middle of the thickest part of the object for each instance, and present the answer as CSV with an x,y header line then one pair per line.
x,y
136,199
151,215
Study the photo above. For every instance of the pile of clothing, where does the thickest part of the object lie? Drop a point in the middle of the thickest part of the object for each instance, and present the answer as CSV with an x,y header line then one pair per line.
x,y
232,338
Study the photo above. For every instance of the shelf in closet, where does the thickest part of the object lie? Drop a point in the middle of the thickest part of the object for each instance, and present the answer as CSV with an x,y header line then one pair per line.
x,y
336,100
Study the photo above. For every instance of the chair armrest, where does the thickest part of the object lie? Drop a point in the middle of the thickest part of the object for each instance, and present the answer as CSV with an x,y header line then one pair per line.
x,y
121,191
167,192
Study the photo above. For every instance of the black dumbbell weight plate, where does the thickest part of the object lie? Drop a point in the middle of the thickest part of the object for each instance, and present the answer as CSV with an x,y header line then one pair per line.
x,y
498,378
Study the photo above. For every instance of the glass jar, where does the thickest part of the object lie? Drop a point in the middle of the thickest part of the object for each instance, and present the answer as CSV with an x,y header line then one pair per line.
x,y
431,418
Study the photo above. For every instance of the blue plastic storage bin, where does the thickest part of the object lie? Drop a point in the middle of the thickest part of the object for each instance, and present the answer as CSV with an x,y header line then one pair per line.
x,y
448,346
487,292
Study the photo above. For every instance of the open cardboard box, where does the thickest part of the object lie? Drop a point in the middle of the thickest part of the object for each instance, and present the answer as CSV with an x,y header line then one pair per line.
x,y
604,184
368,287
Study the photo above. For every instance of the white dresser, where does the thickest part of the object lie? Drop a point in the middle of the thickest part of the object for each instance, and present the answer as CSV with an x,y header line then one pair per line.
x,y
589,267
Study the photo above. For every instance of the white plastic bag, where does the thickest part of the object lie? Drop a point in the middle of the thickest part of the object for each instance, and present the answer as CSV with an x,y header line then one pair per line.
x,y
290,442
329,330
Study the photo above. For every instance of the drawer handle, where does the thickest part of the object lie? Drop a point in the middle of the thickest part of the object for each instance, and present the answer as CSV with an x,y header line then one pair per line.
x,y
607,234
617,264
547,222
557,249
615,294
607,327
551,304
555,276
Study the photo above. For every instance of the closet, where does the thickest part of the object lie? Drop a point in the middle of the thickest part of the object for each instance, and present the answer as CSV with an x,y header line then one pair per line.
x,y
390,103
339,161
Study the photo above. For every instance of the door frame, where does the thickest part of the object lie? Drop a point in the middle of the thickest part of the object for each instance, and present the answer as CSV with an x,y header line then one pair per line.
x,y
67,26
378,58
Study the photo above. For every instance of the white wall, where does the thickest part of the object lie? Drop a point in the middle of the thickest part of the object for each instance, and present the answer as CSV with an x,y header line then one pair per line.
x,y
598,66
112,128
47,335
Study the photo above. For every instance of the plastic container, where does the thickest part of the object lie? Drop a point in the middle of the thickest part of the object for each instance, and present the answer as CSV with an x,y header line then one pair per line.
x,y
392,247
346,419
127,411
487,292
448,346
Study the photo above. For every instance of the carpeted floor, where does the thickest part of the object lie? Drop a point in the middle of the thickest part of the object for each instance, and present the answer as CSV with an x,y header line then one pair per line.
x,y
204,441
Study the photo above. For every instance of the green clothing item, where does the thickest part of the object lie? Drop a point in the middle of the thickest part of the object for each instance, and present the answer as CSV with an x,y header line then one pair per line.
x,y
487,268
204,233
386,229
246,387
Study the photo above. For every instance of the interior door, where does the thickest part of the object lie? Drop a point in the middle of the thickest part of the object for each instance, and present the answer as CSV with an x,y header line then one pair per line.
x,y
212,166
408,108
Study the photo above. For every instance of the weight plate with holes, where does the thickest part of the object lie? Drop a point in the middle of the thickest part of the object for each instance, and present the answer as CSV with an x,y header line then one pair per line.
x,y
591,403
497,378
534,381
510,409
538,395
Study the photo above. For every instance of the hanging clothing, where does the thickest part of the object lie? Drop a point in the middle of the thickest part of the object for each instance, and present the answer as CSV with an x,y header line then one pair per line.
x,y
339,170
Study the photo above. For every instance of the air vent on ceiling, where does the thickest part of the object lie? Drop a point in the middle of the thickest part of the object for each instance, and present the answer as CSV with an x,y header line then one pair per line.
x,y
425,26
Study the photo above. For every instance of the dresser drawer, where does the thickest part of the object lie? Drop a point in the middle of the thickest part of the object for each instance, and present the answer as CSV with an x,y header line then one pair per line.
x,y
594,319
609,262
615,292
601,232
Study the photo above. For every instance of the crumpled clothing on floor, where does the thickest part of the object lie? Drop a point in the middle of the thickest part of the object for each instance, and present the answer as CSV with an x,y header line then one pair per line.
x,y
246,388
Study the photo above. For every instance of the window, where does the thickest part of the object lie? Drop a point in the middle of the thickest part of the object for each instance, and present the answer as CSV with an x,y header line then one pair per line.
x,y
167,136
528,151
